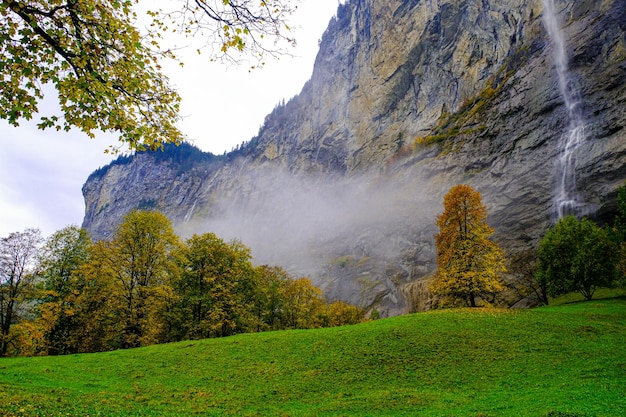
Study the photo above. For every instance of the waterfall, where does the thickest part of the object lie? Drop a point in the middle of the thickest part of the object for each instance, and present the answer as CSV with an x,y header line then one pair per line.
x,y
565,200
190,212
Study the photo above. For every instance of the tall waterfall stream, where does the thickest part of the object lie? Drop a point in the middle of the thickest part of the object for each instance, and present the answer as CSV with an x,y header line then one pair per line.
x,y
565,200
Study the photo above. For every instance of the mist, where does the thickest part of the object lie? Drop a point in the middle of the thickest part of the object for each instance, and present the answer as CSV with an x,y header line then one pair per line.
x,y
369,227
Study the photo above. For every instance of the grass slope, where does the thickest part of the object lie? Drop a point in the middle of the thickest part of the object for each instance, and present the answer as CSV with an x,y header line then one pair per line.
x,y
567,360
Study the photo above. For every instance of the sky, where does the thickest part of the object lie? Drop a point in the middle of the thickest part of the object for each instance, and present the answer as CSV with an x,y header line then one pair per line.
x,y
42,172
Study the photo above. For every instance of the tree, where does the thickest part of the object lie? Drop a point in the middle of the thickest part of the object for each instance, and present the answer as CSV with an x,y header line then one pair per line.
x,y
60,261
269,300
216,287
576,256
140,259
106,73
303,306
340,313
469,264
17,255
98,307
236,26
523,266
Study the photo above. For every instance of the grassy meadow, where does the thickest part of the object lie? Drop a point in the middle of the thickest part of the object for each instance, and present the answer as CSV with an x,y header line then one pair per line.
x,y
564,360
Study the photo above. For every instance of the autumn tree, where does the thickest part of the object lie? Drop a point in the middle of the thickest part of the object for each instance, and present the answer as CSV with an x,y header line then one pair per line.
x,y
98,311
304,304
60,261
469,264
269,298
140,259
106,72
340,313
17,257
216,287
235,27
576,255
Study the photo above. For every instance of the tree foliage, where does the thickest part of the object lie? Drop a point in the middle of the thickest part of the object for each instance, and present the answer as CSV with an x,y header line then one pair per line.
x,y
100,321
61,258
140,258
215,287
576,256
303,304
145,286
105,71
340,313
269,301
17,256
469,264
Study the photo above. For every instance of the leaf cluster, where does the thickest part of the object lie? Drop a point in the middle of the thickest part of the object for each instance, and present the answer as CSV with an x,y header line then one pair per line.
x,y
106,74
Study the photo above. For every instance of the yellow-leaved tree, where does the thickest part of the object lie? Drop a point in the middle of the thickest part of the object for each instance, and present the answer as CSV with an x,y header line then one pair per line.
x,y
469,264
141,266
106,69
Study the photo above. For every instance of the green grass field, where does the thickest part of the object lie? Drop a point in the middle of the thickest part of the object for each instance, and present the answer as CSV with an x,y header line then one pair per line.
x,y
561,361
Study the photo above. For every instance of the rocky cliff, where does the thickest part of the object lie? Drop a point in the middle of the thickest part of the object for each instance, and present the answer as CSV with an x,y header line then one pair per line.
x,y
407,98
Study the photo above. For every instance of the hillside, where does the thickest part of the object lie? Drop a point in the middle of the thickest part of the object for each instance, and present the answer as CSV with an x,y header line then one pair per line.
x,y
567,360
407,99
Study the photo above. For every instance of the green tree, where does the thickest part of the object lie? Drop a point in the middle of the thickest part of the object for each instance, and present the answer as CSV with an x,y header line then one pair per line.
x,y
106,73
576,256
61,258
18,252
469,264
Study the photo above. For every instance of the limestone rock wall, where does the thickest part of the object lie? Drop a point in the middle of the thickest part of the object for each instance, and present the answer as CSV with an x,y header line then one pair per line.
x,y
407,98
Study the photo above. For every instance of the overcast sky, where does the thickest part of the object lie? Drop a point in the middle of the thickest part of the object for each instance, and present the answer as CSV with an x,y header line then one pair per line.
x,y
42,172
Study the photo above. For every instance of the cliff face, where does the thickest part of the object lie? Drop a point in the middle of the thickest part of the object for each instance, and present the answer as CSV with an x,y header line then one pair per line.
x,y
407,98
